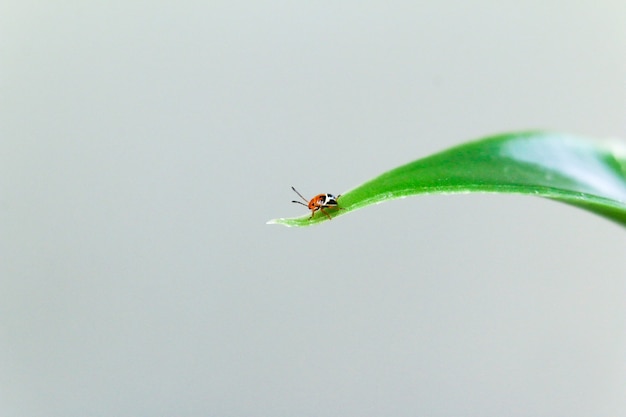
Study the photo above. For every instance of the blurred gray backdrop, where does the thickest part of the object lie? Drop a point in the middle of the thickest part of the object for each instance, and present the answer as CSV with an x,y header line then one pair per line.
x,y
144,144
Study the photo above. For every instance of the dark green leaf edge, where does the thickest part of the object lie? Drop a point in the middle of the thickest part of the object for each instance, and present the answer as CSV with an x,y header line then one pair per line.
x,y
581,172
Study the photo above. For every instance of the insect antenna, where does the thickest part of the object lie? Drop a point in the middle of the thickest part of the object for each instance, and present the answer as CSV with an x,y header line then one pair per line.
x,y
303,199
300,202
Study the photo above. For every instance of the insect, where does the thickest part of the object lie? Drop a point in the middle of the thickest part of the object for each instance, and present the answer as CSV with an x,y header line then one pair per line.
x,y
319,202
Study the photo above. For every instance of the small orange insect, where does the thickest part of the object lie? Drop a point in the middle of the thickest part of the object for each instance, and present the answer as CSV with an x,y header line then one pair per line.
x,y
319,202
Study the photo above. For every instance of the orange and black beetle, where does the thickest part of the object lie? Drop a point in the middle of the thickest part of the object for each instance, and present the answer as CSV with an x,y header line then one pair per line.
x,y
319,202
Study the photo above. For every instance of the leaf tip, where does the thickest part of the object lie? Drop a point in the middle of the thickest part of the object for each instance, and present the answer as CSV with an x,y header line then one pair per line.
x,y
282,221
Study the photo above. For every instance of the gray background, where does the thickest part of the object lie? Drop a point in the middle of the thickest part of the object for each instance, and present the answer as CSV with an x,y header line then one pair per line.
x,y
145,145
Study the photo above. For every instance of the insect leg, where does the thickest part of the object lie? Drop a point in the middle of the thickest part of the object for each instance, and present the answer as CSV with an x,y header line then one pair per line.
x,y
327,215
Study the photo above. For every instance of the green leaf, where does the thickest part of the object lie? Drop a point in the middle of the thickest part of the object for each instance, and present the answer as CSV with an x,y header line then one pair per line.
x,y
576,171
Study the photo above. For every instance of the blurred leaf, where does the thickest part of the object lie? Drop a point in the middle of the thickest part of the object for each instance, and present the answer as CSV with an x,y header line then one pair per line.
x,y
576,171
